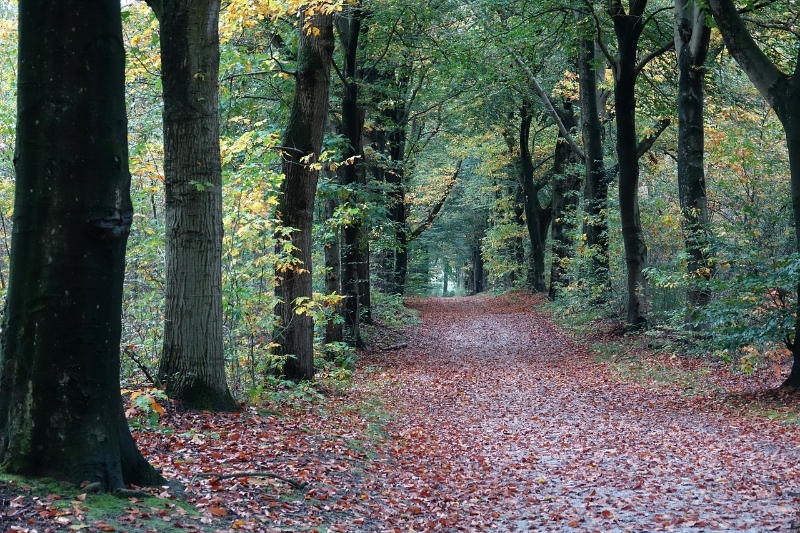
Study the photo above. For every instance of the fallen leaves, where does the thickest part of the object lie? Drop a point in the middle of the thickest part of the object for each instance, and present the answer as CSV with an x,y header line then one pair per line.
x,y
497,422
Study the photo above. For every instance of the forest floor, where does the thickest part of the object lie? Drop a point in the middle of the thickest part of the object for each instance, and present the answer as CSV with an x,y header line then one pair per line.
x,y
488,419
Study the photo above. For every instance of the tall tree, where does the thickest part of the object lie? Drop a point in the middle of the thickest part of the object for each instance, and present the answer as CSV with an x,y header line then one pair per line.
x,y
596,185
61,411
192,364
692,36
566,184
355,250
782,93
628,27
301,147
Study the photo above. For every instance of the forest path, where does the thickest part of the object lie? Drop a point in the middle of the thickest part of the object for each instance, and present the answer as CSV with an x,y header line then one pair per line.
x,y
504,424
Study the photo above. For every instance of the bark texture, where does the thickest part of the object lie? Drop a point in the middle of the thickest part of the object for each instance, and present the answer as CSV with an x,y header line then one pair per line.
x,y
302,142
566,197
192,364
355,249
628,28
782,92
596,188
537,217
60,406
691,45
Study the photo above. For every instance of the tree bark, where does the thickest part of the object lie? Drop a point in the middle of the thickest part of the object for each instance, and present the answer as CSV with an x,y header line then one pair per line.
x,y
355,253
302,142
333,273
692,37
536,216
628,29
192,365
563,206
61,411
596,188
782,92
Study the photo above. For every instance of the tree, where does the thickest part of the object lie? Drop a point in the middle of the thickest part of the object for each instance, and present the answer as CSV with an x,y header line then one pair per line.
x,y
692,37
61,411
628,27
596,186
301,146
782,93
355,250
192,364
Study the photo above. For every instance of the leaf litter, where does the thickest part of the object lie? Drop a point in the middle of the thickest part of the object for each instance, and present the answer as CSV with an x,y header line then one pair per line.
x,y
496,421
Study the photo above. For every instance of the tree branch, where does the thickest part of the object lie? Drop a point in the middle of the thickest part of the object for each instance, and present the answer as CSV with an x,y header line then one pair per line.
x,y
299,485
648,142
438,207
654,54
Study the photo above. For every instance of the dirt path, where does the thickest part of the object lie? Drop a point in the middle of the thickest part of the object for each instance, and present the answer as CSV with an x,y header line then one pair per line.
x,y
505,425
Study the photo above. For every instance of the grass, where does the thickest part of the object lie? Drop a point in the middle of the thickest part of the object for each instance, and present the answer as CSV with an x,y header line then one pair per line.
x,y
73,510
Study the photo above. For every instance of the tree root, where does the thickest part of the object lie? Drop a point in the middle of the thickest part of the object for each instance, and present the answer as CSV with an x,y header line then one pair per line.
x,y
299,485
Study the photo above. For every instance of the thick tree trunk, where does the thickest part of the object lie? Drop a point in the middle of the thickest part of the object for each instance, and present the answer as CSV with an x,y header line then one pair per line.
x,y
691,44
596,188
61,411
628,29
192,364
355,252
301,144
566,187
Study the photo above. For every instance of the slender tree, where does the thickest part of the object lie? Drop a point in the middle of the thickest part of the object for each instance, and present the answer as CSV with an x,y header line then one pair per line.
x,y
628,27
192,364
355,251
782,93
301,147
692,36
596,186
61,411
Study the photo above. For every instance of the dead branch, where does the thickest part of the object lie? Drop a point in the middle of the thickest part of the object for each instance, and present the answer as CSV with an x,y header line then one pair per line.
x,y
299,485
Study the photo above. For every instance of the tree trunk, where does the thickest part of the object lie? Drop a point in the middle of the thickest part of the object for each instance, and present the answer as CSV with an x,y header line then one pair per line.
x,y
596,188
355,255
301,147
691,44
566,186
192,364
537,218
782,92
61,411
628,28
333,273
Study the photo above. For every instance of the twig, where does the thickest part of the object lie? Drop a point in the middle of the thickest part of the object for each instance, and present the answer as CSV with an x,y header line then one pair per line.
x,y
130,353
299,485
396,347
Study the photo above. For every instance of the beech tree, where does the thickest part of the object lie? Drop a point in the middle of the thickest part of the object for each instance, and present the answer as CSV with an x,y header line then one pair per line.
x,y
61,411
300,148
628,27
692,36
782,93
192,364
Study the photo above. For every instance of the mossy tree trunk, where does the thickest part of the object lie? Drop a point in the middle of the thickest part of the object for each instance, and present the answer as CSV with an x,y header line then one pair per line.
x,y
301,147
61,411
192,365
